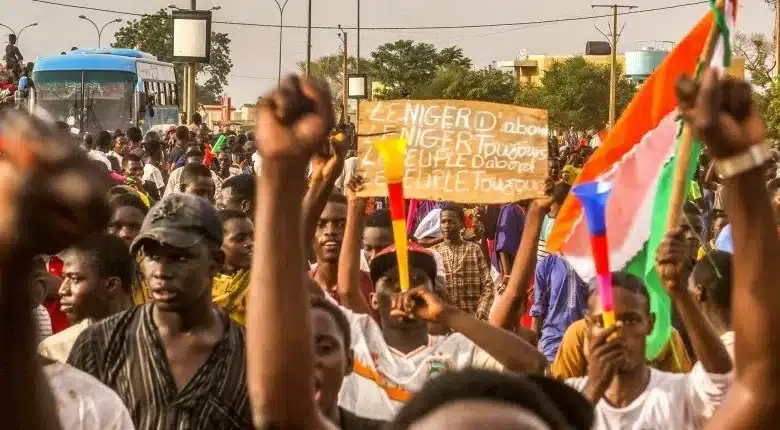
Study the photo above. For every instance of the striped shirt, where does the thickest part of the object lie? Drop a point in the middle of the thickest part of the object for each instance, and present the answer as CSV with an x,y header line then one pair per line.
x,y
125,352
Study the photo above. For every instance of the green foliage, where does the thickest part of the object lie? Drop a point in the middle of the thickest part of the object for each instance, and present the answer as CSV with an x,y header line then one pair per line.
x,y
576,94
461,83
758,50
404,67
154,34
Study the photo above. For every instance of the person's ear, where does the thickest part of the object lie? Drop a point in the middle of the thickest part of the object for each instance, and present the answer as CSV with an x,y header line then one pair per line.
x,y
246,206
113,285
374,302
350,361
698,293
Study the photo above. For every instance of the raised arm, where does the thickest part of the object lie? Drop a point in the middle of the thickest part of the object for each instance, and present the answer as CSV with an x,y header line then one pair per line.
x,y
670,263
279,344
722,114
349,259
505,312
325,170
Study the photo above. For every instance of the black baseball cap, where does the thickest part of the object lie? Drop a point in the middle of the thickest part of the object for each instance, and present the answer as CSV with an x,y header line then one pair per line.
x,y
181,221
419,257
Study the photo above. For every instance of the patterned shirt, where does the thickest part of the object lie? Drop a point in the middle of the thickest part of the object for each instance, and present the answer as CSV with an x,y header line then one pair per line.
x,y
125,353
469,286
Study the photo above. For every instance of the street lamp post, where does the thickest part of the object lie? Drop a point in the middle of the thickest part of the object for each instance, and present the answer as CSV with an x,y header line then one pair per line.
x,y
281,7
100,29
19,33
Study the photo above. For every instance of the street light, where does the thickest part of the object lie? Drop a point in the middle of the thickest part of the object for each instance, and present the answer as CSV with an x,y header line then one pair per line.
x,y
100,29
281,7
174,7
19,33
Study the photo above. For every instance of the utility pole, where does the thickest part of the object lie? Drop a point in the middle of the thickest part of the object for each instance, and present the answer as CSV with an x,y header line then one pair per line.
x,y
613,68
308,42
777,37
357,70
191,96
345,94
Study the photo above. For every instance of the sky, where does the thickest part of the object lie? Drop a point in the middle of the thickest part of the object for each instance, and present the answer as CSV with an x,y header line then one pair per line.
x,y
255,50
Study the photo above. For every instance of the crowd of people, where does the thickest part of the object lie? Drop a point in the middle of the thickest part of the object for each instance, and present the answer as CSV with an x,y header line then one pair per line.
x,y
247,284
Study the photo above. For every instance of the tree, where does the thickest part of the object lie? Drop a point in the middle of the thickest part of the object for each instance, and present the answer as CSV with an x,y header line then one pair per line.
x,y
760,62
154,34
404,67
330,68
575,92
463,83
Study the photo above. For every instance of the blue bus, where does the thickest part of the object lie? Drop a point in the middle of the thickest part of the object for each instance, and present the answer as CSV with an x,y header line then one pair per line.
x,y
106,89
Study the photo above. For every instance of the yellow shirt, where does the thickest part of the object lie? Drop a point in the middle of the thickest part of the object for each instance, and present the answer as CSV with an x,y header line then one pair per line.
x,y
229,293
570,362
141,293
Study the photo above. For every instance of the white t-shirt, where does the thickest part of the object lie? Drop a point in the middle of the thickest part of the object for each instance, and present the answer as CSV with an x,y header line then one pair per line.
x,y
383,379
676,401
257,162
94,154
83,403
152,173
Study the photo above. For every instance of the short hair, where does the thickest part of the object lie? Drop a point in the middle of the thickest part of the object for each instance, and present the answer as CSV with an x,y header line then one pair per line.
x,y
111,256
193,151
337,198
625,281
455,208
192,171
380,219
342,323
130,157
153,149
117,133
227,214
135,134
89,141
12,38
560,192
713,274
773,185
485,385
183,133
127,200
197,119
103,141
243,186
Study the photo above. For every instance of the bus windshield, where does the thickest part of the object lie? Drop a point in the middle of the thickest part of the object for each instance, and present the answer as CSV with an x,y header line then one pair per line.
x,y
93,100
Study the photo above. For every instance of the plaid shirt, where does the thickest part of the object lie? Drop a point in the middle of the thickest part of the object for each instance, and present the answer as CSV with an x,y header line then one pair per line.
x,y
469,286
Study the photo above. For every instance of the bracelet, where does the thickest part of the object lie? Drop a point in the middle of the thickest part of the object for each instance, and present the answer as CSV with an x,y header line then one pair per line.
x,y
748,160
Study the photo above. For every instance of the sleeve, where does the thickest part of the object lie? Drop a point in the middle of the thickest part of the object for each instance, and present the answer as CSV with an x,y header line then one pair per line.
x,y
541,289
724,242
173,182
488,287
158,178
570,360
84,354
439,264
705,391
482,360
507,232
122,420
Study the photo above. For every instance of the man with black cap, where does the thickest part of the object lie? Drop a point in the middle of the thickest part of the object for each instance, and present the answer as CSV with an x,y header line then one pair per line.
x,y
177,362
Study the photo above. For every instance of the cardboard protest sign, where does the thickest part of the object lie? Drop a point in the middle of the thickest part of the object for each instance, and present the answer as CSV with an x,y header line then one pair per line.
x,y
460,151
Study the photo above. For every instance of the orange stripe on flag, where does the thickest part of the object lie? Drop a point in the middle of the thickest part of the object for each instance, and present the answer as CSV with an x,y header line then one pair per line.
x,y
655,100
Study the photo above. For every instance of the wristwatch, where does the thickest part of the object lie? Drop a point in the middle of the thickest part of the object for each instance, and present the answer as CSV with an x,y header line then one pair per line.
x,y
753,157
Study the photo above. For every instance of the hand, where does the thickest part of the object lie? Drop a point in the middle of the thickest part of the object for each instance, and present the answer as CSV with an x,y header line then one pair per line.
x,y
354,186
721,112
294,120
544,204
604,359
328,168
52,194
671,260
418,303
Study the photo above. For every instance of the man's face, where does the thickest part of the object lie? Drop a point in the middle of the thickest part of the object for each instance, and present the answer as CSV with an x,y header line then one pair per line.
x,y
389,286
332,358
134,169
82,293
226,200
120,145
178,278
201,186
126,223
330,232
202,137
633,310
718,224
225,161
238,242
451,225
692,228
375,239
775,201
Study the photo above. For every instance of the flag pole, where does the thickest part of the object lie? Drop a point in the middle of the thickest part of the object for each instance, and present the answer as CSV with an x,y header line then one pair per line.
x,y
683,155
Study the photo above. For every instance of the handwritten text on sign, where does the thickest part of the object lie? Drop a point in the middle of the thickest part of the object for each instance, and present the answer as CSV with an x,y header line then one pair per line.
x,y
461,151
